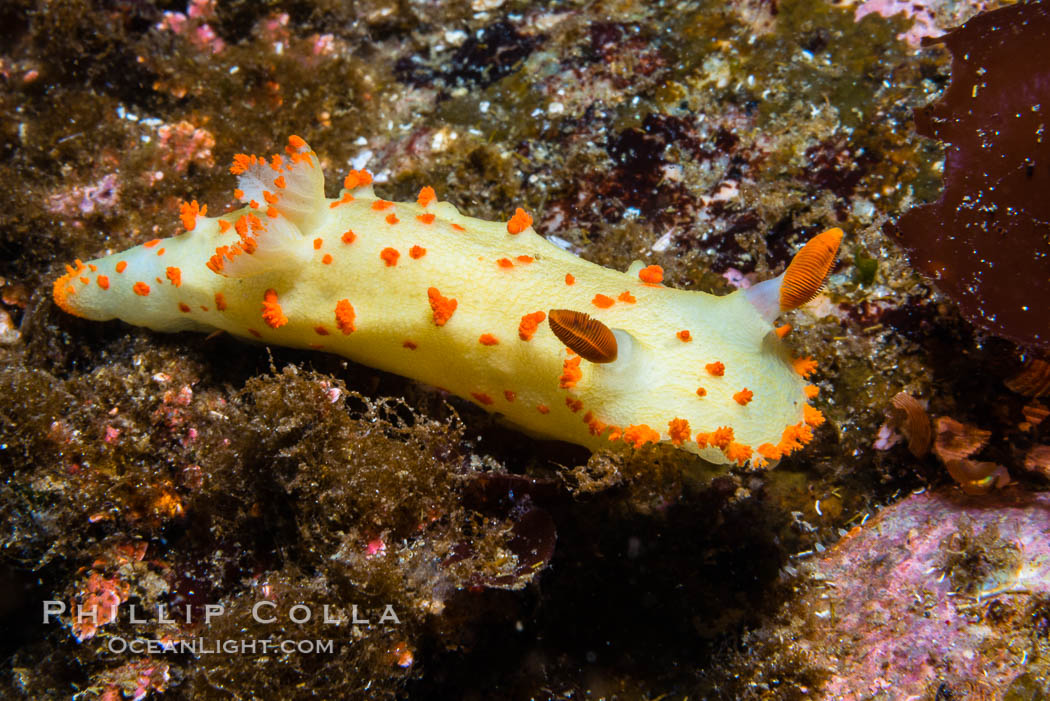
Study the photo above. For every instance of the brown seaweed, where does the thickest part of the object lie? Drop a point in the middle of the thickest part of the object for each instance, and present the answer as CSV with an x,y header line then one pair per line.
x,y
986,241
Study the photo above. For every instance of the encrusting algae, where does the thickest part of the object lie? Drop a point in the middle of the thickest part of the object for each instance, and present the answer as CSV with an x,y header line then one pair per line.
x,y
423,291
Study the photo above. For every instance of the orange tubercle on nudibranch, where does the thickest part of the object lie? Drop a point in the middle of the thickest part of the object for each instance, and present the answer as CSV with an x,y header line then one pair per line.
x,y
595,425
805,366
442,307
721,437
241,163
345,316
639,435
743,397
812,416
678,430
174,274
570,373
738,453
795,437
652,274
357,178
769,451
529,323
519,222
426,196
271,310
389,256
716,368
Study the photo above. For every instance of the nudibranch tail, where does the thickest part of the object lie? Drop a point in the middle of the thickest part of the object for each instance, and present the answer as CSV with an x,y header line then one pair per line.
x,y
419,289
803,279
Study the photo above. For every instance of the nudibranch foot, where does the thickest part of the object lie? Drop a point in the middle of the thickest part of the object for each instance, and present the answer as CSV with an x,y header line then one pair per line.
x,y
422,290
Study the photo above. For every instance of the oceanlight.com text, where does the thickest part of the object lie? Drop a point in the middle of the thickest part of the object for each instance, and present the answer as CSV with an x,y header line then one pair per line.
x,y
204,646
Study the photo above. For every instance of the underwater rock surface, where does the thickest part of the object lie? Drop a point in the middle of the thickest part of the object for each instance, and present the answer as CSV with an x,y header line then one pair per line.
x,y
939,591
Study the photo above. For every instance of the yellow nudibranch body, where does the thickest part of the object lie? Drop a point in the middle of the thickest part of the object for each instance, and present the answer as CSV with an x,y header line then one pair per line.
x,y
471,306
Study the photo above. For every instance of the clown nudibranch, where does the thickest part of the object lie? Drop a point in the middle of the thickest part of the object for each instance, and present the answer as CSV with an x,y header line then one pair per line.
x,y
423,291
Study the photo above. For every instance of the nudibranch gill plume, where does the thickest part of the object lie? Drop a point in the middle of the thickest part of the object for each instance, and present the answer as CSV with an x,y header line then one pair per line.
x,y
491,311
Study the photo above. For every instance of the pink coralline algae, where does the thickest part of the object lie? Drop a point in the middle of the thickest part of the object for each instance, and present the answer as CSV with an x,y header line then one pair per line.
x,y
99,197
986,241
905,605
99,600
195,26
184,143
927,16
135,680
